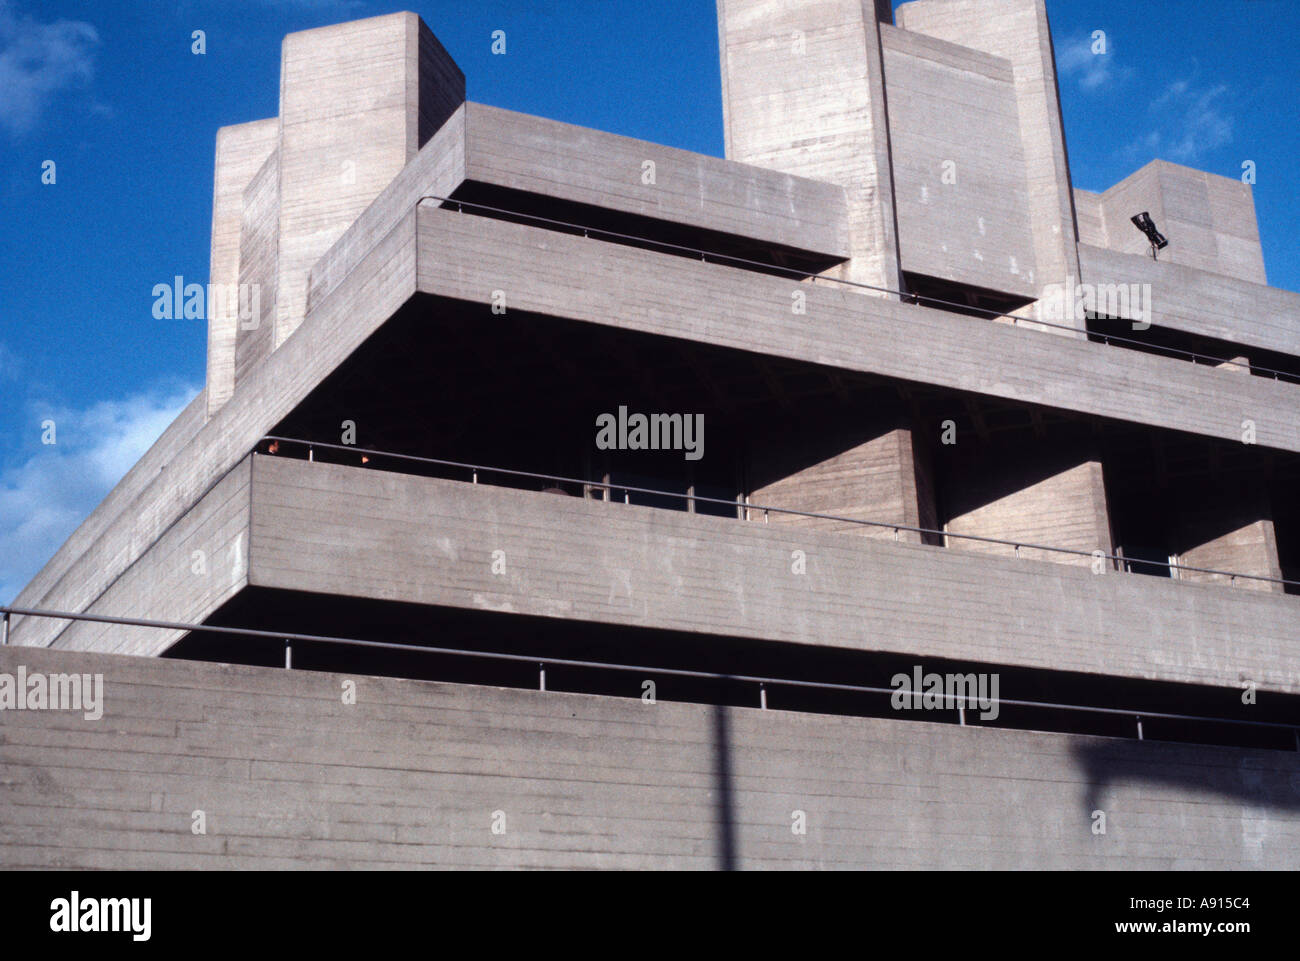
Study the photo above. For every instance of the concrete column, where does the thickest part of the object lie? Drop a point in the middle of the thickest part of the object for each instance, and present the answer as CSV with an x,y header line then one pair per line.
x,y
357,101
871,474
1056,498
1228,530
241,150
959,170
803,92
259,246
1017,30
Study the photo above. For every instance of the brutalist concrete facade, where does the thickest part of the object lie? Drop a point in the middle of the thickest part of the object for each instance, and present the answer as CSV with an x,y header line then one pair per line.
x,y
912,455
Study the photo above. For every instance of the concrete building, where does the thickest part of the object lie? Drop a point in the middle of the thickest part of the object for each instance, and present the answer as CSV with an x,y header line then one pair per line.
x,y
956,419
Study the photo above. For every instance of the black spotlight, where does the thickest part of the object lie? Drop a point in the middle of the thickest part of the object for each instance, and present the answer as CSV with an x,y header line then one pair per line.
x,y
1144,223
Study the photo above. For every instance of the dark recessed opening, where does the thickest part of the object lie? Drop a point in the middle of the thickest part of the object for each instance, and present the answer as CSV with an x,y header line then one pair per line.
x,y
961,298
653,650
1208,351
636,230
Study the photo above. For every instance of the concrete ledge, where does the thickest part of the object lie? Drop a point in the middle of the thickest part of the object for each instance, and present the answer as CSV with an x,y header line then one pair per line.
x,y
198,564
560,160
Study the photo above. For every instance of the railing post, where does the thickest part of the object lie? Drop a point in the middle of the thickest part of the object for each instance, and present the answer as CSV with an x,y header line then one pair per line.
x,y
311,453
4,629
961,714
541,677
1139,723
762,696
288,654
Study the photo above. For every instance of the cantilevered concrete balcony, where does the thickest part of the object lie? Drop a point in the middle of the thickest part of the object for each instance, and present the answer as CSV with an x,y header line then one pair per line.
x,y
294,780
293,526
460,259
546,273
532,165
1252,316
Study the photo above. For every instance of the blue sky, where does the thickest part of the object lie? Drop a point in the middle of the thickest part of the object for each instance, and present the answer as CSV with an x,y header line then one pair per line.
x,y
111,92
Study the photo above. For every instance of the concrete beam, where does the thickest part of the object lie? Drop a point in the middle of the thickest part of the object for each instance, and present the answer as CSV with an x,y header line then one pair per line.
x,y
551,159
197,565
1228,528
1037,496
870,473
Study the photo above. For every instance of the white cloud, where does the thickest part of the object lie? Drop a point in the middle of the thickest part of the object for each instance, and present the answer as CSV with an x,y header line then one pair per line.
x,y
1188,122
44,499
1090,70
37,61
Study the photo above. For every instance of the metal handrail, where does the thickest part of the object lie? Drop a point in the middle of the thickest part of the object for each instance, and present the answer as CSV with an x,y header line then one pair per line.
x,y
907,296
884,525
289,636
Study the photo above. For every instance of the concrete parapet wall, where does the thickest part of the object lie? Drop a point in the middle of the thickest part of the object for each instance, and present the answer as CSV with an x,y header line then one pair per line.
x,y
354,532
542,271
414,775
